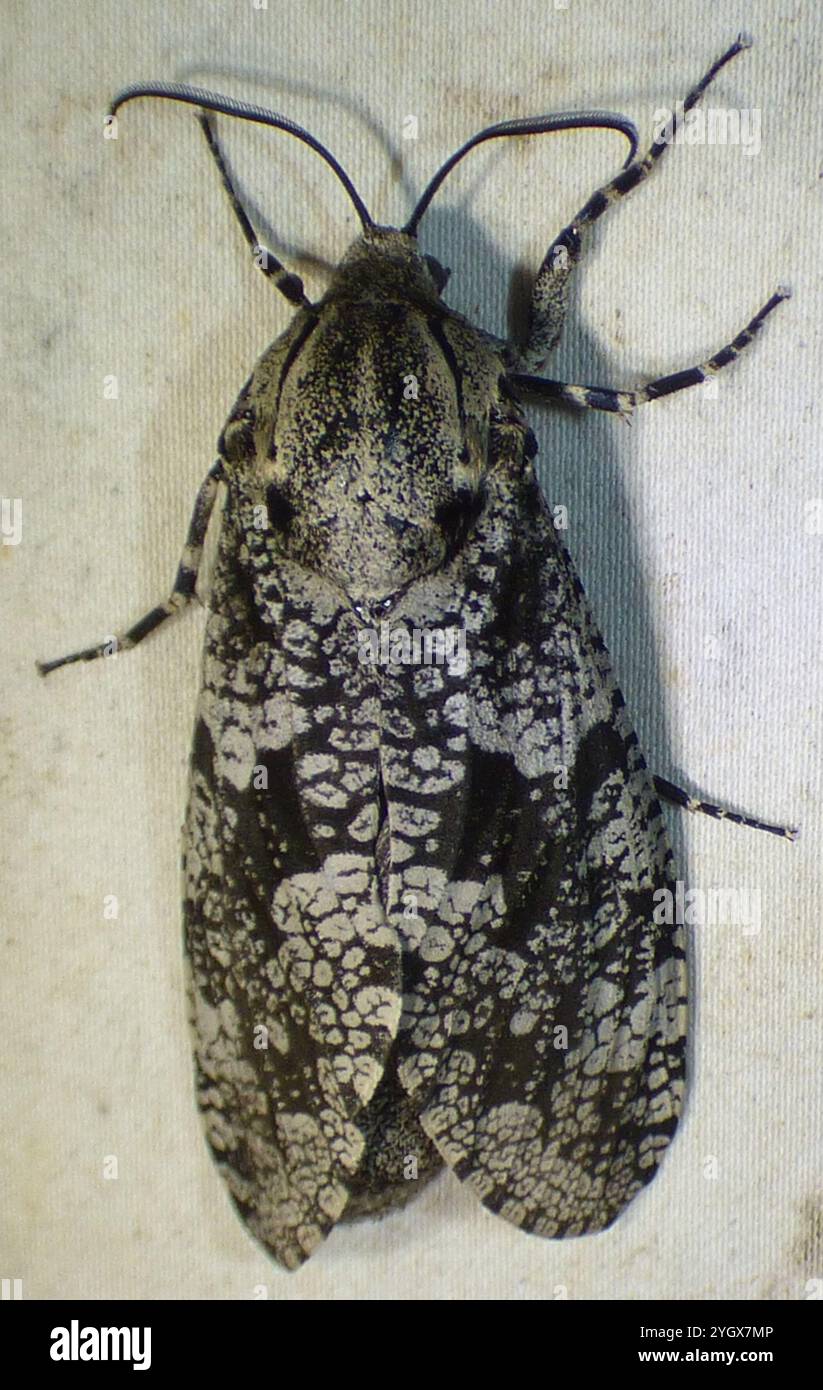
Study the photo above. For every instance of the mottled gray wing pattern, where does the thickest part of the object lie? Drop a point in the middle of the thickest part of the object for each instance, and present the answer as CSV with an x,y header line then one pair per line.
x,y
294,971
500,997
544,1018
295,974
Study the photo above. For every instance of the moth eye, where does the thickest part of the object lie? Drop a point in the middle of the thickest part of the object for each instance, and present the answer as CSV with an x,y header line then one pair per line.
x,y
530,447
439,274
280,509
456,516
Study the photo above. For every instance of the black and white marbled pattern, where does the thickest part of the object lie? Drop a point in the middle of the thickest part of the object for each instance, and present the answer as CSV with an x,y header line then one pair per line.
x,y
419,899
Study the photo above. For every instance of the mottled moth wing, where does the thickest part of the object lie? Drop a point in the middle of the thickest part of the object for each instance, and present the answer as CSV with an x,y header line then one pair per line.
x,y
294,972
498,995
544,1024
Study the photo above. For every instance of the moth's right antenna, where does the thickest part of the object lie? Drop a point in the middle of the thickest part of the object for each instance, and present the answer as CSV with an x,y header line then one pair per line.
x,y
528,125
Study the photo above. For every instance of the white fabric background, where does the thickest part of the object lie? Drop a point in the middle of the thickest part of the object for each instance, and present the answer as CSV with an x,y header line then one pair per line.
x,y
690,531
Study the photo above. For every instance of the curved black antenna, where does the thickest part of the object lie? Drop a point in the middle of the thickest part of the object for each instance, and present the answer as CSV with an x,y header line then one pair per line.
x,y
227,106
528,125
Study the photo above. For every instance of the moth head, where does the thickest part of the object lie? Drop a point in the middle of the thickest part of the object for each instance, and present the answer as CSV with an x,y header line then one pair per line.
x,y
385,262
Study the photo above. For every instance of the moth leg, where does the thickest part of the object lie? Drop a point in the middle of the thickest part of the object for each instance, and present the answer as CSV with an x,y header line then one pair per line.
x,y
184,585
624,402
679,797
283,280
550,292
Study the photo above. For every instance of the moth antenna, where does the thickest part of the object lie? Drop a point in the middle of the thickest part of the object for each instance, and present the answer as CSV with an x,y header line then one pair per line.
x,y
528,125
227,106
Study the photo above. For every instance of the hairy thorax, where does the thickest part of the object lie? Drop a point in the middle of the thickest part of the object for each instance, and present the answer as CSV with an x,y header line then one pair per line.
x,y
366,428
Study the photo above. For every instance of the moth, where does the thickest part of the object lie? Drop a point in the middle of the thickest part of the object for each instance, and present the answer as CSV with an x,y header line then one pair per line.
x,y
420,893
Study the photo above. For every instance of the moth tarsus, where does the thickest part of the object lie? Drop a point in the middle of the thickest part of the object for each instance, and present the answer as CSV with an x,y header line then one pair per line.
x,y
419,910
678,797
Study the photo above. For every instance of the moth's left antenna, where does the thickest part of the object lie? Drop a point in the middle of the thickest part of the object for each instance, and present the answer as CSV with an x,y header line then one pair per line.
x,y
227,106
